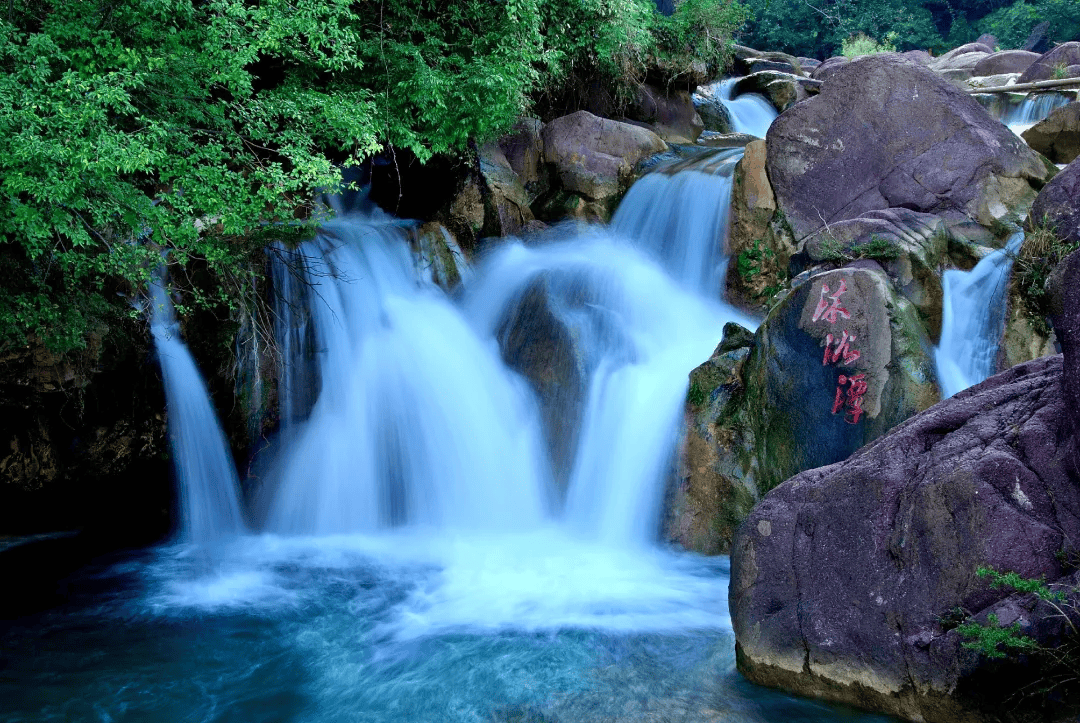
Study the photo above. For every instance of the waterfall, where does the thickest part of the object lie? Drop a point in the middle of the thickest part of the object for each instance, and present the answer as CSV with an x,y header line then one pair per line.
x,y
680,217
750,112
973,318
1034,108
206,476
621,337
416,421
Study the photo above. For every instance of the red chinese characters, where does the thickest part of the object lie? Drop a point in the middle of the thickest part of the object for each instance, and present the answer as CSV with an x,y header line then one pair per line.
x,y
850,399
850,388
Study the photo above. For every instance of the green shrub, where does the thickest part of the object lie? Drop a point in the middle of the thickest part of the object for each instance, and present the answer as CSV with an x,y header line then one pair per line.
x,y
862,44
877,248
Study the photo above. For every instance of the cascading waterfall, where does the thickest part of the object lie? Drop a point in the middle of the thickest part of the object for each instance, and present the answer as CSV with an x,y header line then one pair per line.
x,y
206,476
1034,108
416,420
973,318
750,112
679,216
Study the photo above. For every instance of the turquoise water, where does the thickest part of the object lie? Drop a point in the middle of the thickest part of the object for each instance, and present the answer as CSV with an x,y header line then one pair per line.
x,y
407,627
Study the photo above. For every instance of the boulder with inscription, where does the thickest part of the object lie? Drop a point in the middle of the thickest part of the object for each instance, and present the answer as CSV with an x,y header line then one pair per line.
x,y
887,133
848,581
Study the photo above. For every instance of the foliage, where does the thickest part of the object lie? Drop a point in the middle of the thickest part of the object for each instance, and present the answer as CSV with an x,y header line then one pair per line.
x,y
1055,667
862,44
758,260
877,248
1013,23
199,129
1033,265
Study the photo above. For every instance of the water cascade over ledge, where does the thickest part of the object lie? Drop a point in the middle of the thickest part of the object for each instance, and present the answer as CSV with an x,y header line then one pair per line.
x,y
973,318
206,476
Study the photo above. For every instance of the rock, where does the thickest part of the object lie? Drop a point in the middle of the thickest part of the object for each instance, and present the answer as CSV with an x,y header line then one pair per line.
x,y
760,64
919,56
1056,205
714,493
885,132
782,89
741,58
466,216
759,244
1038,41
1065,315
988,40
595,157
506,202
726,140
910,246
524,151
1005,61
990,81
1051,62
438,256
808,64
964,50
1058,135
843,577
828,67
713,113
837,363
672,115
959,66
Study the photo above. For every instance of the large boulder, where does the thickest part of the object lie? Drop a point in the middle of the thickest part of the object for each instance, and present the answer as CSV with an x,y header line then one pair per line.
x,y
1051,62
848,581
507,201
1058,135
886,132
839,361
595,157
711,109
828,67
1056,205
523,148
1005,61
1038,40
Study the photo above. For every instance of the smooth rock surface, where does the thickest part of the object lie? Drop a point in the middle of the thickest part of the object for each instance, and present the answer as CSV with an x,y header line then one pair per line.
x,y
885,132
1005,61
1057,205
1044,68
1058,135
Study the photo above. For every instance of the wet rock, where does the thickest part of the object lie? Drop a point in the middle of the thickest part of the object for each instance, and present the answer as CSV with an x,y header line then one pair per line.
x,y
885,132
713,113
438,256
843,577
715,489
595,157
1058,135
910,246
1005,61
523,148
1051,62
506,202
672,115
782,89
726,140
1056,205
759,243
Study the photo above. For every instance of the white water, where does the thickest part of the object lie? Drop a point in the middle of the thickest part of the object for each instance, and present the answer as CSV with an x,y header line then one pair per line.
x,y
416,422
750,112
973,317
206,476
1034,108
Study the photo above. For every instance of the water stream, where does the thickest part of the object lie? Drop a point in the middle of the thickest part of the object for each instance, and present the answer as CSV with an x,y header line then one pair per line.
x,y
973,319
461,521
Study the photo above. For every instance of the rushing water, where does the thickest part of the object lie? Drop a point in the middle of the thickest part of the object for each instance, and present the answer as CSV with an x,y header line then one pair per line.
x,y
206,477
461,520
1034,108
973,318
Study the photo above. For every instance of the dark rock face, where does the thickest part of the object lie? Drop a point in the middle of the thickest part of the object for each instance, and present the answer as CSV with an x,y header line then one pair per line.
x,y
1065,289
1005,61
1057,204
842,575
885,132
672,115
828,67
83,441
1044,68
1058,135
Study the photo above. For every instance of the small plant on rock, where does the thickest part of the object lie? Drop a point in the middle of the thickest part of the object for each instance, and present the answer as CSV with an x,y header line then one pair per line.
x,y
877,249
863,44
1033,265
